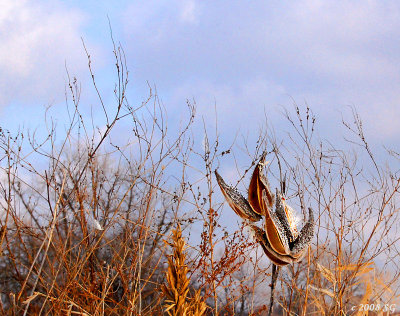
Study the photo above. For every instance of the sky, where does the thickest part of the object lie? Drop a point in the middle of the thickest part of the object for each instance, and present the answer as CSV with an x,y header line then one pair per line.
x,y
241,59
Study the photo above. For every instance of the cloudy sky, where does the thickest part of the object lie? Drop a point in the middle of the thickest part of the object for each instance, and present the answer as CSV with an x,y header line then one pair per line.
x,y
242,58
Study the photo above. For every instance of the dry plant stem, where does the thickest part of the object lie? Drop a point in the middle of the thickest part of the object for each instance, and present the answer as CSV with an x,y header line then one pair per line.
x,y
50,236
3,228
211,228
275,273
308,282
211,217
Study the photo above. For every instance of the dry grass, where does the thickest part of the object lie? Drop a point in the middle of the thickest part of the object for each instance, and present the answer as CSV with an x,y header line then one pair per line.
x,y
83,218
176,291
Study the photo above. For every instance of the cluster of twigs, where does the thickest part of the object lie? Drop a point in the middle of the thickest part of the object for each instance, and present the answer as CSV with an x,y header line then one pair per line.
x,y
83,219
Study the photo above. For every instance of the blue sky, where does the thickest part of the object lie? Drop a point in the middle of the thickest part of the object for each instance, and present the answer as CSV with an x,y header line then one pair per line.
x,y
243,58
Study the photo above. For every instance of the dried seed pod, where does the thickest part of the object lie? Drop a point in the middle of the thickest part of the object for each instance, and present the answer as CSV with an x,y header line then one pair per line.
x,y
236,201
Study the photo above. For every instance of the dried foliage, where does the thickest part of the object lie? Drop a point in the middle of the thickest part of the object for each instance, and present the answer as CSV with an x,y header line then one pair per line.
x,y
83,217
176,290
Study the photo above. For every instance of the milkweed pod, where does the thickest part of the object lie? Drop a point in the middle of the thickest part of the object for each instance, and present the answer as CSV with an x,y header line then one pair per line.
x,y
259,184
236,201
275,232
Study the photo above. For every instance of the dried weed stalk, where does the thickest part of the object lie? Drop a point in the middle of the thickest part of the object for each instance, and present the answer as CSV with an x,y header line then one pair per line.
x,y
176,291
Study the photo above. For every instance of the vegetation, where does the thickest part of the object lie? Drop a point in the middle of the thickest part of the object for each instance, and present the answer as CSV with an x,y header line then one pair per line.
x,y
93,226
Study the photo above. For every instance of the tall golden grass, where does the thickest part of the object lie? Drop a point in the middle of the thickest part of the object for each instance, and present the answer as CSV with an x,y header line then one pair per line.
x,y
176,290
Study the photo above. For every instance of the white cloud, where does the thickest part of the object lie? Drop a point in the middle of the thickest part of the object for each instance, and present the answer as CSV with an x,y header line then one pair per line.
x,y
38,39
242,56
329,53
188,11
338,39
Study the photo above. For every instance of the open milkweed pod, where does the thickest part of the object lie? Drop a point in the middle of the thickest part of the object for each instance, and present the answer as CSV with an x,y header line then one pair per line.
x,y
281,240
287,217
282,234
259,184
236,201
276,258
306,234
275,232
298,242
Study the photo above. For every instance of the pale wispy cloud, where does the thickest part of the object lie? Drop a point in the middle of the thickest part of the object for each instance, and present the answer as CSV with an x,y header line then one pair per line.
x,y
329,53
241,57
189,11
37,40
